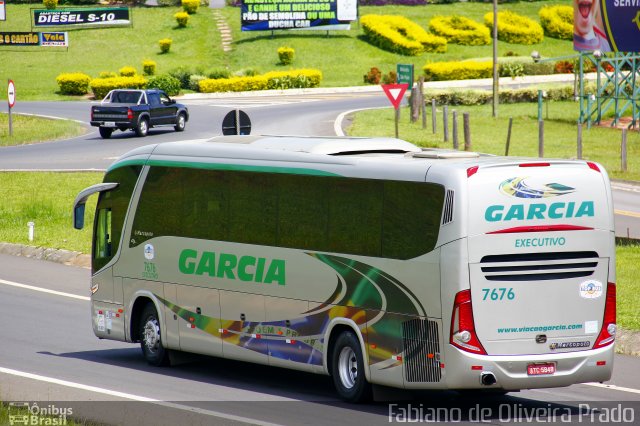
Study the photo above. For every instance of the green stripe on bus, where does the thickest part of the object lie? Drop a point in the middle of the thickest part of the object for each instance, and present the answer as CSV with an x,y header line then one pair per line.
x,y
222,166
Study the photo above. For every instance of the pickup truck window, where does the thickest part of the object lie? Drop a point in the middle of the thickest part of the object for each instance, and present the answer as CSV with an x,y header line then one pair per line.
x,y
125,97
154,98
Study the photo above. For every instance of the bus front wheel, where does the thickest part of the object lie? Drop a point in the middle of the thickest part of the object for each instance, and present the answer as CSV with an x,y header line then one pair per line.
x,y
151,337
347,369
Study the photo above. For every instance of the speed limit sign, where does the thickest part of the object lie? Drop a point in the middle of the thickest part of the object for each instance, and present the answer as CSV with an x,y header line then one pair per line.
x,y
11,94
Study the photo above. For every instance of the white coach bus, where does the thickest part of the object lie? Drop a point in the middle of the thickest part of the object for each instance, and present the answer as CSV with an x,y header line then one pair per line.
x,y
371,260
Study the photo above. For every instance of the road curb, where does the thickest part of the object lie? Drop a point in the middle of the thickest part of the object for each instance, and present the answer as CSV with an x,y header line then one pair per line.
x,y
65,257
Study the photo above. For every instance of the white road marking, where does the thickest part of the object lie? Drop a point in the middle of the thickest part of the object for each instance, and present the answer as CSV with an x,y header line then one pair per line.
x,y
44,290
133,397
613,387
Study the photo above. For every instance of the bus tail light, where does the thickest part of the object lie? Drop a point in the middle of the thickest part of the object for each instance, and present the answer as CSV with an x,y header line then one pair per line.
x,y
463,330
608,332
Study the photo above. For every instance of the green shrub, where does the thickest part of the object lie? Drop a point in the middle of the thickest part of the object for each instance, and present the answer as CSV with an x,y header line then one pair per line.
x,y
557,21
460,30
182,18
127,71
165,45
149,67
514,28
194,82
75,83
168,2
511,69
190,6
102,86
390,78
107,74
400,35
286,55
466,70
219,73
165,82
247,72
273,80
294,79
182,73
50,4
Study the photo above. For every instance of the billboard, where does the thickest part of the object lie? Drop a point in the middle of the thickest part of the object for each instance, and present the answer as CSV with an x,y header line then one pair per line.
x,y
606,25
267,15
57,39
101,16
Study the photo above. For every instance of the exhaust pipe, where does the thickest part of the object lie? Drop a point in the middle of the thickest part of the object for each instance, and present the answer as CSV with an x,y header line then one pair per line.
x,y
487,379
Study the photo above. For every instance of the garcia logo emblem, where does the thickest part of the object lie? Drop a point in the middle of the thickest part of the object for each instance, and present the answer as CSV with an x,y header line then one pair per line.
x,y
517,187
591,289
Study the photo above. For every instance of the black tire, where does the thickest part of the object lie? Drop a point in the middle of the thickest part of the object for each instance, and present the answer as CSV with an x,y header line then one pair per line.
x,y
347,369
105,132
181,122
151,337
142,128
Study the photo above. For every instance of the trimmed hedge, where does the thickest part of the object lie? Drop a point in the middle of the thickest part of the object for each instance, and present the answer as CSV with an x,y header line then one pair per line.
x,y
557,21
302,78
190,6
514,28
75,83
507,96
102,86
466,70
460,30
127,71
400,35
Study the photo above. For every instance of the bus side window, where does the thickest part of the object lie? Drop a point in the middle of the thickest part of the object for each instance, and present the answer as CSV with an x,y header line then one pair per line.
x,y
103,247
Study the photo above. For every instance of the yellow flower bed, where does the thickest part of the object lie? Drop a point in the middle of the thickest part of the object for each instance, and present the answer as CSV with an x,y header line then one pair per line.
x,y
460,30
400,35
557,21
514,28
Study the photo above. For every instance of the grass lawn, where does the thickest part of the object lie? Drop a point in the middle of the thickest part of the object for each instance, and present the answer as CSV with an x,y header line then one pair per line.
x,y
28,129
489,134
47,200
342,56
628,287
34,69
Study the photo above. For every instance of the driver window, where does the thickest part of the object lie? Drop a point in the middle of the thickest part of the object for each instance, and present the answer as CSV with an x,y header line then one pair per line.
x,y
104,245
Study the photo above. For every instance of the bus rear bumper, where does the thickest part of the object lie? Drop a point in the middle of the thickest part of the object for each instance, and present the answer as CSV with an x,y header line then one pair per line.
x,y
510,371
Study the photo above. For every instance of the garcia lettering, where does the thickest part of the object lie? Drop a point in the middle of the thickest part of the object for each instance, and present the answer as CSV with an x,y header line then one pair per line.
x,y
496,213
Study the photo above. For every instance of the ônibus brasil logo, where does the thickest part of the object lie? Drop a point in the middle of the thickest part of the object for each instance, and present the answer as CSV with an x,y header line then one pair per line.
x,y
516,187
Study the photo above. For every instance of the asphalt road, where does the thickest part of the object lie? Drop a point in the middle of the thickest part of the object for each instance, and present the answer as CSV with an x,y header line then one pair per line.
x,y
49,353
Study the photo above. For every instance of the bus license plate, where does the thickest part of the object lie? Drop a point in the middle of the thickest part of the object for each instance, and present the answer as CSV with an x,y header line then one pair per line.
x,y
541,369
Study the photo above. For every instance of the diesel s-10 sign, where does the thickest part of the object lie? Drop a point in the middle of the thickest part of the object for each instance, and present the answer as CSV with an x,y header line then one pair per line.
x,y
103,16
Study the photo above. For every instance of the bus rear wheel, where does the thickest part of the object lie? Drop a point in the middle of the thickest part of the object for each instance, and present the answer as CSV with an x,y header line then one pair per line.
x,y
151,337
347,369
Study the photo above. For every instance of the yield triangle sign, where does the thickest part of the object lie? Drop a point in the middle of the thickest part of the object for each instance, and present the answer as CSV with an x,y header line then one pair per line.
x,y
395,92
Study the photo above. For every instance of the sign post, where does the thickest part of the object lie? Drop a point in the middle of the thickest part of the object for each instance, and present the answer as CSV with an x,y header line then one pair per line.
x,y
395,93
11,96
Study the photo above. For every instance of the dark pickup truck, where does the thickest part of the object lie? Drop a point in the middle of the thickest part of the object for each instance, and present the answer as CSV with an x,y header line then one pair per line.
x,y
138,110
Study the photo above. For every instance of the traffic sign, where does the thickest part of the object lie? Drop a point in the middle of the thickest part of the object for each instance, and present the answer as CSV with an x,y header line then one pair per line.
x,y
236,122
395,92
11,93
404,73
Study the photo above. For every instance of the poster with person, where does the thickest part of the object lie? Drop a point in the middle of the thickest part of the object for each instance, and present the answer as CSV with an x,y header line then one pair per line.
x,y
606,25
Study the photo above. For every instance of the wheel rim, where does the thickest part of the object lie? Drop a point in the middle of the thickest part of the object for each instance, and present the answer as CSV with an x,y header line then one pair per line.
x,y
152,335
181,121
348,367
143,127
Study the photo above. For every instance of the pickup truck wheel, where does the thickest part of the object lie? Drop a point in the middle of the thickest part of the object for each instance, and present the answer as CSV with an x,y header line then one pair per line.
x,y
181,123
105,132
142,128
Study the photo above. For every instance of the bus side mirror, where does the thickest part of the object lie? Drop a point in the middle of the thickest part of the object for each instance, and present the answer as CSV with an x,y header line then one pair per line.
x,y
78,216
